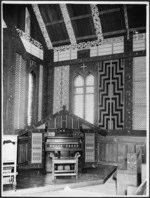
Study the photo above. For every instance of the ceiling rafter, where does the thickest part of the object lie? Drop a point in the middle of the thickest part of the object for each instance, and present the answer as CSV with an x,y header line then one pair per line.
x,y
126,20
42,26
97,22
68,24
109,11
72,19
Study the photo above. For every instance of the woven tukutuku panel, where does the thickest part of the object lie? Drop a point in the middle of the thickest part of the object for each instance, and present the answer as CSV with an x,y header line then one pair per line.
x,y
111,91
139,93
20,92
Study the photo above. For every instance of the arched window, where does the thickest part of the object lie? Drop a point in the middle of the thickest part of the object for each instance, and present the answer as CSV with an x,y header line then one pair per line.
x,y
78,96
89,98
84,97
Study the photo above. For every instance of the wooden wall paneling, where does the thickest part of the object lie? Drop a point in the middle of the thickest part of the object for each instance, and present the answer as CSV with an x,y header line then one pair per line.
x,y
75,123
122,156
101,152
114,149
131,148
58,122
69,122
51,123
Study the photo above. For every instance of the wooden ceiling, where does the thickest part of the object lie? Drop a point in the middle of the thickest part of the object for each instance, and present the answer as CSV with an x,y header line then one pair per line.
x,y
75,23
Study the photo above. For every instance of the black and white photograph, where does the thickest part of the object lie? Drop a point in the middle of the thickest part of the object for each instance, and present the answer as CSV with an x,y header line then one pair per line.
x,y
75,98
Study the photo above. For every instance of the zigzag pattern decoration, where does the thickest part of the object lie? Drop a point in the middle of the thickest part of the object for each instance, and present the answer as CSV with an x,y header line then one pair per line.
x,y
40,93
61,88
20,92
111,90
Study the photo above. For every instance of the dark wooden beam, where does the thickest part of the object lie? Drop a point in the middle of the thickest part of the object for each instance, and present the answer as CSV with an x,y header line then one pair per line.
x,y
81,17
54,22
114,32
72,19
126,20
98,58
109,11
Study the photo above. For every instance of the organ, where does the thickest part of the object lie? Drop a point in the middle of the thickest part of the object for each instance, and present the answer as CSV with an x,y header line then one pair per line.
x,y
63,134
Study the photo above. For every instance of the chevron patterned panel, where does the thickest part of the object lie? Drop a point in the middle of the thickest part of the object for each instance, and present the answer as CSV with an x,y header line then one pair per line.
x,y
111,90
139,93
40,93
61,88
20,92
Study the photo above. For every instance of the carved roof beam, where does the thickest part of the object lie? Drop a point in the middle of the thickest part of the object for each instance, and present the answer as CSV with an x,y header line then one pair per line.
x,y
42,26
68,24
126,20
97,22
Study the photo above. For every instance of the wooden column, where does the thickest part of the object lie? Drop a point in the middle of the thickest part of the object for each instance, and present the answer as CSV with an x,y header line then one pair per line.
x,y
128,87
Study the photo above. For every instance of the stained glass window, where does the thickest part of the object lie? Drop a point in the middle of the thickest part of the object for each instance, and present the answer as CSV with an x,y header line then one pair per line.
x,y
84,97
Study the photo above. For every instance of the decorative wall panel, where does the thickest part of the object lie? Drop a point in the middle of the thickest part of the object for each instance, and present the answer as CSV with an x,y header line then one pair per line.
x,y
111,92
40,92
139,42
139,93
89,147
61,88
20,92
36,148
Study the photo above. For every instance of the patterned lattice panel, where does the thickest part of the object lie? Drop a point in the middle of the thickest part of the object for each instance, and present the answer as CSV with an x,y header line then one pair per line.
x,y
139,93
40,93
20,92
89,147
36,148
111,91
61,88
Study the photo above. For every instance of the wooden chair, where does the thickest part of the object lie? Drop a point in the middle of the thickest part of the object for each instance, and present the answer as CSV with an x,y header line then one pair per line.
x,y
63,166
9,159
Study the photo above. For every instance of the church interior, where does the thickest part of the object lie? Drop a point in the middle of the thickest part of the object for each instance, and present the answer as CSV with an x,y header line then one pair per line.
x,y
74,102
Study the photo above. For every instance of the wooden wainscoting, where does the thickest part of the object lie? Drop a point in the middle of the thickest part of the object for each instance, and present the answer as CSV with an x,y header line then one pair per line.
x,y
113,149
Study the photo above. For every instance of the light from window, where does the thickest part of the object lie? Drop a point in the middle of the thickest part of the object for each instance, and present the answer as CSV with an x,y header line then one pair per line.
x,y
30,98
84,97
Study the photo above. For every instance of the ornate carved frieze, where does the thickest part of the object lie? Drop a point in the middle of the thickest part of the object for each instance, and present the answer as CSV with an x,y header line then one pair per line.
x,y
68,24
97,22
139,36
89,44
28,38
42,26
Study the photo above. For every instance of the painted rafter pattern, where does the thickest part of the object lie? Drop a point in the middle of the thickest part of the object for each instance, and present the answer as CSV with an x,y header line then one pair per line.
x,y
42,26
126,20
68,24
97,22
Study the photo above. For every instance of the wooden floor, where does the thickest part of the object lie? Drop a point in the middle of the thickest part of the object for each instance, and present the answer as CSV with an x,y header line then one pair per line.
x,y
34,178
